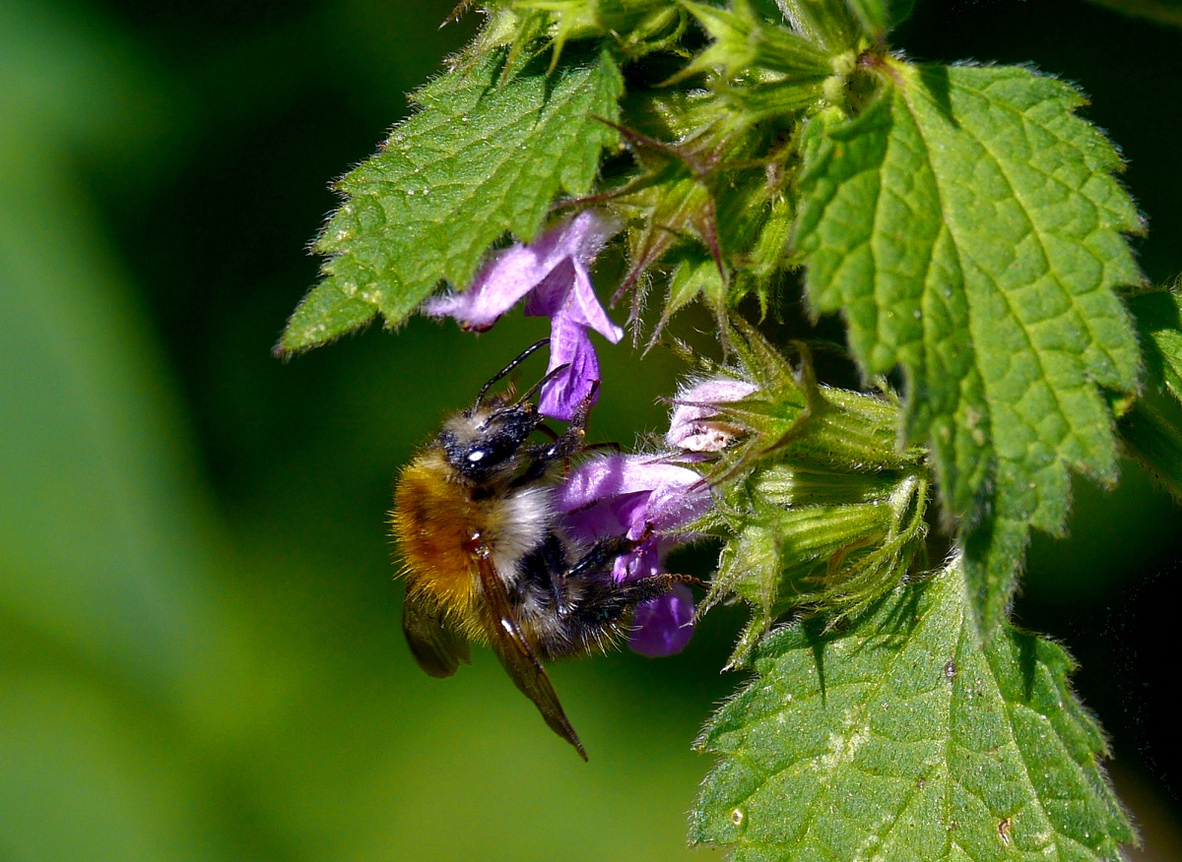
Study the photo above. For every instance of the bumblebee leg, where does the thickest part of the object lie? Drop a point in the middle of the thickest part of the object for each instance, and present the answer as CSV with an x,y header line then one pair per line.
x,y
654,586
596,620
547,569
566,444
597,560
571,440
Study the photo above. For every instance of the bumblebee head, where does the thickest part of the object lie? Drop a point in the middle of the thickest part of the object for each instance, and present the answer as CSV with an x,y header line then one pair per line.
x,y
486,440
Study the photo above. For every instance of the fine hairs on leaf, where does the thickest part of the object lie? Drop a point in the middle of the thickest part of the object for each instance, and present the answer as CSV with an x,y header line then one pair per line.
x,y
902,738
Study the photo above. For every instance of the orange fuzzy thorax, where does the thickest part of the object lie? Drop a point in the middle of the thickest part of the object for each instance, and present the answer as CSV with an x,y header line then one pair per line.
x,y
437,524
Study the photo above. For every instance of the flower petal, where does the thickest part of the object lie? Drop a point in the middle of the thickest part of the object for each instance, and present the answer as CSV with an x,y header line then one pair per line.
x,y
674,505
672,495
644,561
664,626
509,276
583,306
584,236
644,498
568,298
615,474
568,295
694,425
563,394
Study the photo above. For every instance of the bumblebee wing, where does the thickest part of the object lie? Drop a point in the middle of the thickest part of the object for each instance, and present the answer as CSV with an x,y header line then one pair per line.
x,y
519,658
433,641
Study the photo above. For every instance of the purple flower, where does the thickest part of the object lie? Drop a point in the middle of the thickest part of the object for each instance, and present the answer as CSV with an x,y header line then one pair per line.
x,y
663,626
695,425
647,499
551,274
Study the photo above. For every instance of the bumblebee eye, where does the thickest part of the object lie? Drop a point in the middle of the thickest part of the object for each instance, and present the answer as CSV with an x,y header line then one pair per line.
x,y
491,453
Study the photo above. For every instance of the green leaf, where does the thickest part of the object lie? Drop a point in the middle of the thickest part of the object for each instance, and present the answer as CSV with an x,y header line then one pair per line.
x,y
479,159
326,312
905,738
969,228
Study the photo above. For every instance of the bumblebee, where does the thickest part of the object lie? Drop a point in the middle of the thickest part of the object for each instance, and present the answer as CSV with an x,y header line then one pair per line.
x,y
485,557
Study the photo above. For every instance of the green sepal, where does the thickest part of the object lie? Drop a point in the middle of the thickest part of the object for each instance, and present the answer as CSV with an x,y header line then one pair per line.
x,y
823,513
635,27
878,17
790,417
759,230
710,196
761,68
670,204
744,42
819,542
695,276
830,24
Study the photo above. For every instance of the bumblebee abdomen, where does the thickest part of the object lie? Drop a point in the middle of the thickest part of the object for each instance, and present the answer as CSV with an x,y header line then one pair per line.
x,y
434,522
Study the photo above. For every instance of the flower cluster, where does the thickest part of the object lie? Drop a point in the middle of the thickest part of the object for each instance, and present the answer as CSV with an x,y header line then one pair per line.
x,y
647,499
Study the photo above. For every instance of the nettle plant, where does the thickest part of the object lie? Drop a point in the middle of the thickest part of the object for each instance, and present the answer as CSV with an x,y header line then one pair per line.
x,y
968,227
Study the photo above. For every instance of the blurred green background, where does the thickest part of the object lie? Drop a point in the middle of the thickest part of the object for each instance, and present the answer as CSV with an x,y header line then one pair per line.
x,y
199,649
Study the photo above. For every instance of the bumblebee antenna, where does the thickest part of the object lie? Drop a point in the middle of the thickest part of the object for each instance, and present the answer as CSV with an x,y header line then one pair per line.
x,y
525,354
549,376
